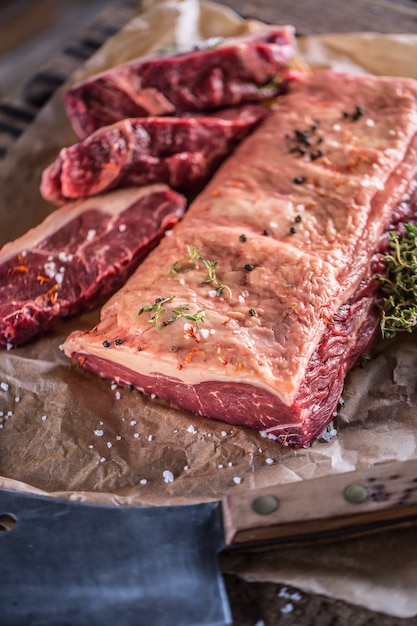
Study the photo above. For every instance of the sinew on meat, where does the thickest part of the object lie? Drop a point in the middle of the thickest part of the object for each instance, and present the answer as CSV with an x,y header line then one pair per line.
x,y
256,308
181,152
78,256
228,73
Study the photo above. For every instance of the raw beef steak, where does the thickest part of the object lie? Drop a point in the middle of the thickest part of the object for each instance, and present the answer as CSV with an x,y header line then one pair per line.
x,y
181,152
264,298
231,73
78,257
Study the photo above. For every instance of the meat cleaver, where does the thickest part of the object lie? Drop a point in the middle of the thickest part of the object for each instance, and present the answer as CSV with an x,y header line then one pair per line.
x,y
66,563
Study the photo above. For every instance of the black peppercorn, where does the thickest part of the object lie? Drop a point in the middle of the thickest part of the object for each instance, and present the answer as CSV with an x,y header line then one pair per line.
x,y
243,238
293,230
249,267
298,180
118,342
106,343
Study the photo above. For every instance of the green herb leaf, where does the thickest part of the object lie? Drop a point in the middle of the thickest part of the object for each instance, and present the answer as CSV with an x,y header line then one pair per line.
x,y
399,284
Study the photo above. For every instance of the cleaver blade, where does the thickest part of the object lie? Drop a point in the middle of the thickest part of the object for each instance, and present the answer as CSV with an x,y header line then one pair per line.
x,y
67,563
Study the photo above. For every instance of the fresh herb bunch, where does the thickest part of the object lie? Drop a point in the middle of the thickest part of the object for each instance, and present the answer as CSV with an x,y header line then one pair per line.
x,y
399,284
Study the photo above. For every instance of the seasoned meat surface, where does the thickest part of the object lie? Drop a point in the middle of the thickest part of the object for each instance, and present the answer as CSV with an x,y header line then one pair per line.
x,y
269,274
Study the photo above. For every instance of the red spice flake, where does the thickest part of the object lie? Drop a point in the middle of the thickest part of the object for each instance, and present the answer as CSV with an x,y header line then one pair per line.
x,y
189,331
238,367
82,360
193,352
326,317
21,268
51,294
215,193
221,352
43,279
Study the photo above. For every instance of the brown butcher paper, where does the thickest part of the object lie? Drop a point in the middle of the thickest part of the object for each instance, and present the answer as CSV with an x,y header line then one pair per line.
x,y
66,433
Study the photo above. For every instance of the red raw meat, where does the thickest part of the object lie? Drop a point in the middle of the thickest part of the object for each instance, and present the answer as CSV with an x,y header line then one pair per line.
x,y
233,72
181,152
78,257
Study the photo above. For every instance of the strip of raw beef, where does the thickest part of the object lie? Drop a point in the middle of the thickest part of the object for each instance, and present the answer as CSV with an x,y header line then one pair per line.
x,y
264,298
235,71
78,257
181,152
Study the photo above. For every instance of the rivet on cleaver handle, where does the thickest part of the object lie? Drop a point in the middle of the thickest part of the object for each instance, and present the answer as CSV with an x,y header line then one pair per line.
x,y
330,507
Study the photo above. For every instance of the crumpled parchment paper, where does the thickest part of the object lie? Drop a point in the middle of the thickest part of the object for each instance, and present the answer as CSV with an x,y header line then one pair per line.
x,y
65,433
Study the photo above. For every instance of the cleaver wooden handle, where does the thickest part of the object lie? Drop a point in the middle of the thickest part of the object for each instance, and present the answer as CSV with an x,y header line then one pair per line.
x,y
335,506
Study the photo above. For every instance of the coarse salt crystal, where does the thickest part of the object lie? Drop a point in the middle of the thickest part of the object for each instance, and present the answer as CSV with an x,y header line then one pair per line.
x,y
212,331
17,399
90,446
241,299
288,595
9,414
133,422
168,476
143,481
118,437
269,461
4,386
369,122
136,436
113,386
99,432
50,269
59,277
212,293
153,396
44,418
122,228
109,444
237,480
223,433
287,608
186,468
220,466
337,127
150,437
91,234
103,458
117,395
205,333
182,281
1,426
230,464
273,224
169,232
192,430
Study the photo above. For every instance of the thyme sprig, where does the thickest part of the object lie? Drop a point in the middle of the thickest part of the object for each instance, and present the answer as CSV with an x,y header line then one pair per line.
x,y
190,262
399,284
157,309
213,280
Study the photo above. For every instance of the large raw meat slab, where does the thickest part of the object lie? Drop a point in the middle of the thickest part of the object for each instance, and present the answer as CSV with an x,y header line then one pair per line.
x,y
273,265
227,73
181,152
78,256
